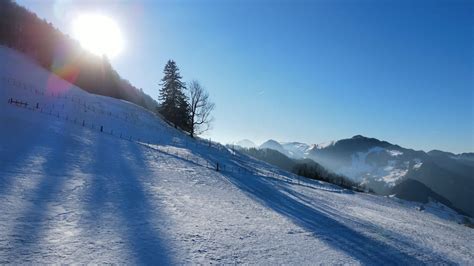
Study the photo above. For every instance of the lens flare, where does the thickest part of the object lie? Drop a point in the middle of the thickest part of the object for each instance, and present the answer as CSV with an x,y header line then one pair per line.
x,y
98,34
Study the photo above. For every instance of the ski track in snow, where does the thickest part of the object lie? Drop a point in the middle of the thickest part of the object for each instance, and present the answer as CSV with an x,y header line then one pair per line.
x,y
71,194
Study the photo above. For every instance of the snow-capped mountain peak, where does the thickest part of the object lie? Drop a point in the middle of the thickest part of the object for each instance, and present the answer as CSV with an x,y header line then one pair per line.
x,y
88,179
246,143
273,145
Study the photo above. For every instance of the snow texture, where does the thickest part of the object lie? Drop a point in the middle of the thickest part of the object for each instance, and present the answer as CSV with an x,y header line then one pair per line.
x,y
140,192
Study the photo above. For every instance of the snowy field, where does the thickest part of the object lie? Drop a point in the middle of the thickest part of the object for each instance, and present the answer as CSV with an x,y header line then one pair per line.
x,y
139,192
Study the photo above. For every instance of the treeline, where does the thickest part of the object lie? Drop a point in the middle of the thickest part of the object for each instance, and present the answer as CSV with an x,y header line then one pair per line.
x,y
302,167
310,169
23,31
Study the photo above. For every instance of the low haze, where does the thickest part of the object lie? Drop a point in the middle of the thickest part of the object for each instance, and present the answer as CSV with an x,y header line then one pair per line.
x,y
236,132
310,71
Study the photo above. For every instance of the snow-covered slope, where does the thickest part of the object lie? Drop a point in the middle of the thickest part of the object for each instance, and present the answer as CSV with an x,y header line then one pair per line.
x,y
71,193
296,150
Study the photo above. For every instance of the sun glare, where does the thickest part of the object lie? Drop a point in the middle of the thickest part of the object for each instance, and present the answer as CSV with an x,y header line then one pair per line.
x,y
98,34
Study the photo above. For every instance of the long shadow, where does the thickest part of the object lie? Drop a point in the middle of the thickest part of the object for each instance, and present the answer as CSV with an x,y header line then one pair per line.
x,y
325,228
29,226
402,241
14,153
100,189
116,188
269,192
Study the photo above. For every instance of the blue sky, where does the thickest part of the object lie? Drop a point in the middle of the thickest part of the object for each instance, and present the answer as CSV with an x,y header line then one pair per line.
x,y
309,71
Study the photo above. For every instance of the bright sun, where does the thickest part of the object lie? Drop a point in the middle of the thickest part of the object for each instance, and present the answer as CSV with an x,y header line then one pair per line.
x,y
98,34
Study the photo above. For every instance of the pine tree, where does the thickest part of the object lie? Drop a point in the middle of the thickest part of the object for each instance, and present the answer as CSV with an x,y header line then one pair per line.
x,y
184,117
174,105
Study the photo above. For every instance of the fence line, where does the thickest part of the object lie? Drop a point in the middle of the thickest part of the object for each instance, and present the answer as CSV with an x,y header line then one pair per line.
x,y
131,118
120,134
210,164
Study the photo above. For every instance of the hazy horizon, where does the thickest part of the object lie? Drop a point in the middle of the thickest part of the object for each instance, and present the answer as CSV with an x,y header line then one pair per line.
x,y
106,154
260,142
307,71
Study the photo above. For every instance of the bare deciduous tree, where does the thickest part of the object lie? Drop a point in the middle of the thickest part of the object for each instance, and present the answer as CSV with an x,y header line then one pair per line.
x,y
201,108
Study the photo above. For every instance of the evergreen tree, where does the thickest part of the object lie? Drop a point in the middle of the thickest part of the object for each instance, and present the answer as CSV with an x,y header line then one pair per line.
x,y
184,116
174,105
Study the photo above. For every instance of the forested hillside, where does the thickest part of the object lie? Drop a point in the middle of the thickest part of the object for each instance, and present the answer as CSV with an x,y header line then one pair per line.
x,y
22,30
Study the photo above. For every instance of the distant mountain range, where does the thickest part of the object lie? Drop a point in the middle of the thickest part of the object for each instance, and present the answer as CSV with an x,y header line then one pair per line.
x,y
385,168
295,150
245,143
274,145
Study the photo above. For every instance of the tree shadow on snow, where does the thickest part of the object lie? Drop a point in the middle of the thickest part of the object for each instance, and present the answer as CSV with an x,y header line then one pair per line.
x,y
19,144
29,227
117,191
114,199
327,229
